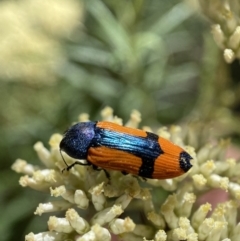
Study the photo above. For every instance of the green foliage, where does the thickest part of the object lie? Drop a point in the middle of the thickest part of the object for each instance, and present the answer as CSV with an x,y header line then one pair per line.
x,y
140,52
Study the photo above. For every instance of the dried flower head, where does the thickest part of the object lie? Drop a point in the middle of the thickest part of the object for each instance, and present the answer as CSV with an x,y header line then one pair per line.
x,y
112,206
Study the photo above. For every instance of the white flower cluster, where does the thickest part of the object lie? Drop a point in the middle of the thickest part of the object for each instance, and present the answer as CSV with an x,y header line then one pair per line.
x,y
31,33
226,27
174,219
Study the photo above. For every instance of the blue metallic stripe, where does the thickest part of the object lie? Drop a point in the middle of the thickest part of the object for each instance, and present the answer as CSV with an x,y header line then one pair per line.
x,y
147,148
144,147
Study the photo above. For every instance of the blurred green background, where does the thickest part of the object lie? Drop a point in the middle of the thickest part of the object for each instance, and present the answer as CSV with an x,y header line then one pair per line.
x,y
61,58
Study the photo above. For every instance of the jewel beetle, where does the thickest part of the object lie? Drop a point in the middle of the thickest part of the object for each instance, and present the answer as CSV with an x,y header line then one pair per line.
x,y
107,145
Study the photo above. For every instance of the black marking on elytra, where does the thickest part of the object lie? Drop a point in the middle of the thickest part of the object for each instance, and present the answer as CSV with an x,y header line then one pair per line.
x,y
184,161
147,167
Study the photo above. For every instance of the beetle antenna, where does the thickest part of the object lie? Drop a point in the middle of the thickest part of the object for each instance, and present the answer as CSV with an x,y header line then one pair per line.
x,y
67,166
